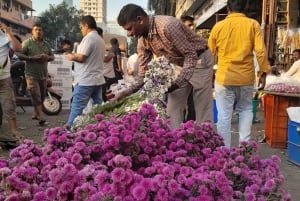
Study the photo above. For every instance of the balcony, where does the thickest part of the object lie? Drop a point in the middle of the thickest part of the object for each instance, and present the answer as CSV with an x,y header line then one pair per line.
x,y
26,3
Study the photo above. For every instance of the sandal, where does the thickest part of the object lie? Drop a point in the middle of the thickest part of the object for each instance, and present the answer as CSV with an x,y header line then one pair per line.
x,y
34,117
18,136
42,122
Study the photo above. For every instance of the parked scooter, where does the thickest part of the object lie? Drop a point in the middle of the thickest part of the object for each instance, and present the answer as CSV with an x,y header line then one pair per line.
x,y
51,104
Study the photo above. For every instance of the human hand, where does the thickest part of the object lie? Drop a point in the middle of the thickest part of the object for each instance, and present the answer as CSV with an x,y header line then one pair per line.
x,y
5,29
262,81
69,56
44,57
122,94
172,88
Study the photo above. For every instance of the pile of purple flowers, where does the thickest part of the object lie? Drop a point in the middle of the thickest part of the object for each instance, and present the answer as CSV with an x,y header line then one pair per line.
x,y
138,157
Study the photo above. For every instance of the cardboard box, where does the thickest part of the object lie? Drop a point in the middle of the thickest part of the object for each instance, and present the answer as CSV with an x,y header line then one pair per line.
x,y
60,66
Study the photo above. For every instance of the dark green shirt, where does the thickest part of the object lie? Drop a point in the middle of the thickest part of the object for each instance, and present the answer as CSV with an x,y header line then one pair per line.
x,y
36,69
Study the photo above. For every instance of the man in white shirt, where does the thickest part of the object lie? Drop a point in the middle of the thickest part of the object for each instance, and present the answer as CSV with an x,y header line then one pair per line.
x,y
88,72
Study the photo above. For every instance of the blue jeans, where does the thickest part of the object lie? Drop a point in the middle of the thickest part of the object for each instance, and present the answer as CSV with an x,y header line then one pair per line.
x,y
225,98
81,96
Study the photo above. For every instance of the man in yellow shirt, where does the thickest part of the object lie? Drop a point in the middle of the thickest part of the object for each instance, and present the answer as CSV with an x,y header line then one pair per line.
x,y
234,40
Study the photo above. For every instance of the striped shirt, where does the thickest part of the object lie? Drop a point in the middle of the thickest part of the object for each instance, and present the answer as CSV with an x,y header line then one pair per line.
x,y
169,37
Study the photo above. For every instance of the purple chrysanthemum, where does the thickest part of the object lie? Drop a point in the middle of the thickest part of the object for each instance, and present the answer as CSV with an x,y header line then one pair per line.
x,y
139,193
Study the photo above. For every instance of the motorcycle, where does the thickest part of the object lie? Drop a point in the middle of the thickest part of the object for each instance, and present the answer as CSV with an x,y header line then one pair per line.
x,y
51,104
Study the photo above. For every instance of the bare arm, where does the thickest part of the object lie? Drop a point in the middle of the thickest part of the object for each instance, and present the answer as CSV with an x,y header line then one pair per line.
x,y
17,46
76,57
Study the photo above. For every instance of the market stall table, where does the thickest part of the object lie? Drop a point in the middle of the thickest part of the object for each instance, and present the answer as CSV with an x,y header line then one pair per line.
x,y
276,117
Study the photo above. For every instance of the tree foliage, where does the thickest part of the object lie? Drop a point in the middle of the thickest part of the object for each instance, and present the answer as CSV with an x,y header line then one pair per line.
x,y
60,22
162,7
132,48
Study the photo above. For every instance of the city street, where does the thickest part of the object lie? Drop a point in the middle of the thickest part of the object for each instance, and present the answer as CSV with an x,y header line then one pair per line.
x,y
31,130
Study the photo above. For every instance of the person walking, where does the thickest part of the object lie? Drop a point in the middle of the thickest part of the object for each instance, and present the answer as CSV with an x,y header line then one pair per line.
x,y
108,72
169,37
88,71
7,96
37,53
117,59
234,40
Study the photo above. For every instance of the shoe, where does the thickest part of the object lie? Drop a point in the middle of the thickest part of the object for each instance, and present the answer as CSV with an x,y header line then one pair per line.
x,y
262,140
34,118
42,122
66,127
256,121
18,136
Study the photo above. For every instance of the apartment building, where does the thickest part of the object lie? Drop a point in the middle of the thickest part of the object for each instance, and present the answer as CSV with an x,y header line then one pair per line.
x,y
18,15
96,8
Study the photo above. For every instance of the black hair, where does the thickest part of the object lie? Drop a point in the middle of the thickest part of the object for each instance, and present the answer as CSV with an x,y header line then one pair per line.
x,y
296,50
36,25
271,61
89,21
237,5
65,42
187,18
114,42
129,13
100,31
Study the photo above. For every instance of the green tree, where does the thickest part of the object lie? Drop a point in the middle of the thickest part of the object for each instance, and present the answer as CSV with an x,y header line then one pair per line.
x,y
132,46
162,7
60,22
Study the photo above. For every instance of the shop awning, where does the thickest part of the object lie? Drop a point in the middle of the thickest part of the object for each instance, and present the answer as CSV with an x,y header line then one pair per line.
x,y
209,10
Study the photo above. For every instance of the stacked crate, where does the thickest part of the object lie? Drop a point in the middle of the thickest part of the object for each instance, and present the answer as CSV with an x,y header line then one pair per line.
x,y
61,71
276,118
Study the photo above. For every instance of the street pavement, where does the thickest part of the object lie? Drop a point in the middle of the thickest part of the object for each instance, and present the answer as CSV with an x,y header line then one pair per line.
x,y
31,130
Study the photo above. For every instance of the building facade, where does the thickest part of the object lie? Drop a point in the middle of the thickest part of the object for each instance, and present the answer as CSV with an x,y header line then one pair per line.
x,y
95,8
17,14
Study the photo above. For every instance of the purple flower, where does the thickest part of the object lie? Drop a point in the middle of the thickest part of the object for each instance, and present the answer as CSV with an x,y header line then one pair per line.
x,y
76,158
66,187
90,137
113,141
39,196
127,138
139,193
13,197
61,162
5,171
250,196
162,194
79,146
99,117
270,184
101,177
50,193
118,174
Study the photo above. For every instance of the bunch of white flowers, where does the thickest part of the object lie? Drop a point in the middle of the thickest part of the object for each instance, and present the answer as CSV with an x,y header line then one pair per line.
x,y
158,78
160,75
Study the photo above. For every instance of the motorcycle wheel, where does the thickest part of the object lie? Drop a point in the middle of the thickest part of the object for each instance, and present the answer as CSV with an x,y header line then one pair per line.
x,y
51,107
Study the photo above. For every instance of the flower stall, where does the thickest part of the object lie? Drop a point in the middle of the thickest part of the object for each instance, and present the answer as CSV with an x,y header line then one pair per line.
x,y
135,156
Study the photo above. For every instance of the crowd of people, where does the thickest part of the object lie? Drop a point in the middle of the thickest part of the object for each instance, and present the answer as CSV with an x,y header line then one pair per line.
x,y
231,46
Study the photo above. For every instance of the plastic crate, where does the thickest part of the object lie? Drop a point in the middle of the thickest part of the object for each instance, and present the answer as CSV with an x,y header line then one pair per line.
x,y
215,111
294,153
276,119
294,132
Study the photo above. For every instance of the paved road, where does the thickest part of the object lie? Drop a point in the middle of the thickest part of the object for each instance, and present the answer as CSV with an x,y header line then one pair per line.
x,y
32,130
